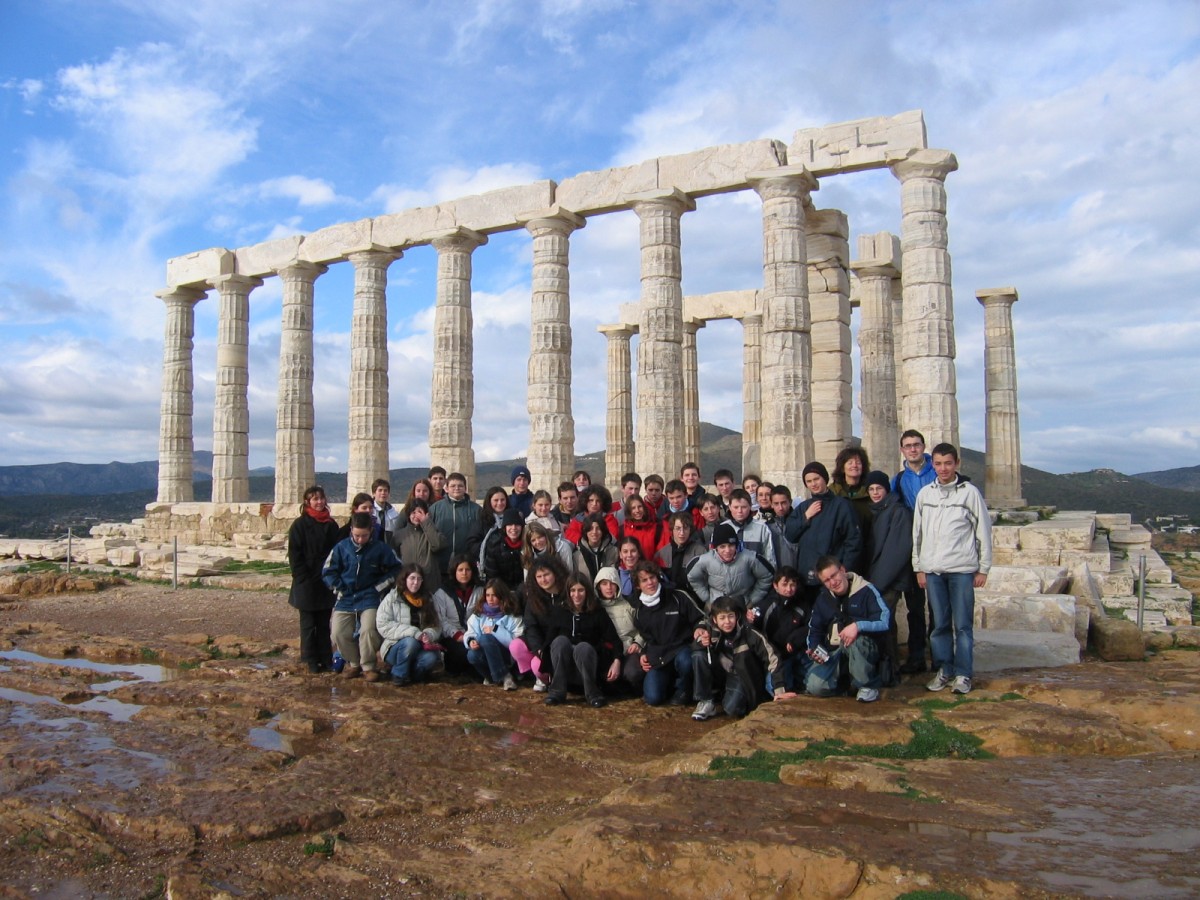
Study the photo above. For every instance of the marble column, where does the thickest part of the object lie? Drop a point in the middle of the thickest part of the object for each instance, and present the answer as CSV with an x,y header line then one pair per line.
x,y
551,454
752,329
231,408
295,463
175,425
786,429
1002,478
829,305
369,370
618,425
877,397
929,381
453,401
660,416
691,395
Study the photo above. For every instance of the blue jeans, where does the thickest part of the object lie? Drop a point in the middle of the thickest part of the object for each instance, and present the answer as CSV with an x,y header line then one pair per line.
x,y
491,658
862,658
677,674
409,661
952,606
794,668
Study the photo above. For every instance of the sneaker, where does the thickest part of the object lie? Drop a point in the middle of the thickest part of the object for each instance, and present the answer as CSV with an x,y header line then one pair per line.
x,y
961,685
371,675
867,695
598,702
352,671
540,686
554,700
487,682
509,683
705,709
680,699
940,681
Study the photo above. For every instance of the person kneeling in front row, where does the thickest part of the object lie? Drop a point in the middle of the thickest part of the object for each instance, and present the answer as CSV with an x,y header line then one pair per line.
x,y
848,621
730,654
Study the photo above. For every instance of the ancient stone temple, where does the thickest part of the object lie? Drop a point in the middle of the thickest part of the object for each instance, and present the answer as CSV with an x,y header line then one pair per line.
x,y
797,373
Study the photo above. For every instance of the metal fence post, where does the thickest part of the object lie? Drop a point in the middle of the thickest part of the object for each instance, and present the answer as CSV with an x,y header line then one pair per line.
x,y
1141,589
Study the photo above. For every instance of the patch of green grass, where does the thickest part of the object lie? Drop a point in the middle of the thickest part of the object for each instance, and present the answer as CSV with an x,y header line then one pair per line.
x,y
931,739
158,890
150,655
324,847
911,793
41,565
32,839
260,566
188,664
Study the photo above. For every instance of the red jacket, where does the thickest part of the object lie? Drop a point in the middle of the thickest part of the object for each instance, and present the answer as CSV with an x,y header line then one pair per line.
x,y
650,534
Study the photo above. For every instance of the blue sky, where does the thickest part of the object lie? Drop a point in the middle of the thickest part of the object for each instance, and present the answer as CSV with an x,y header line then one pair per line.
x,y
138,130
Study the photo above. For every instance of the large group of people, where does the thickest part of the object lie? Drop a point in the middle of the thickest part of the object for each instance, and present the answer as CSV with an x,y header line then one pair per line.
x,y
666,591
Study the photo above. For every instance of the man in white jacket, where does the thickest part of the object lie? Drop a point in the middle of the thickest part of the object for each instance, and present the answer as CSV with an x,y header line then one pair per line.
x,y
952,554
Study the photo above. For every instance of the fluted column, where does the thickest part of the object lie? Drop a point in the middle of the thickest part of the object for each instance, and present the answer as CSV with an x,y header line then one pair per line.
x,y
751,390
660,348
175,425
231,409
551,455
453,401
829,304
1002,479
369,398
877,396
691,393
898,334
295,463
930,404
786,439
618,425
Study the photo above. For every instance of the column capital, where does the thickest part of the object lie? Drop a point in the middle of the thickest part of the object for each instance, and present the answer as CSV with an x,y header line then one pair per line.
x,y
189,294
996,296
754,317
249,282
299,268
458,239
785,181
923,164
691,326
618,330
671,198
374,254
556,219
877,268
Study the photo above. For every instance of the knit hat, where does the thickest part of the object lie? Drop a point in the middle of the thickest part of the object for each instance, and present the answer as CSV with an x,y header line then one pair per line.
x,y
879,478
608,573
724,534
519,470
815,467
512,516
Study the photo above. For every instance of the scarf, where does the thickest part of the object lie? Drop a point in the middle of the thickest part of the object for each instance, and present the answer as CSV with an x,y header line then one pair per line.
x,y
491,612
322,516
651,600
515,545
413,600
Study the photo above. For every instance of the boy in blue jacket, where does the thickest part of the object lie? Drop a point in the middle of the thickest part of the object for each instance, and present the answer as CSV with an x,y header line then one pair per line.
x,y
848,621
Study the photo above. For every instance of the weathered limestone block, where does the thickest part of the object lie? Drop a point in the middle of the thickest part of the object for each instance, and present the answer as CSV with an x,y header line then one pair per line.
x,y
1025,612
336,242
269,257
1117,639
1113,521
1174,611
1151,618
8,549
1008,536
1021,516
717,305
1059,534
132,530
199,268
1099,557
715,170
1048,557
857,145
1115,584
503,209
1003,556
997,649
1028,579
124,556
606,189
1133,536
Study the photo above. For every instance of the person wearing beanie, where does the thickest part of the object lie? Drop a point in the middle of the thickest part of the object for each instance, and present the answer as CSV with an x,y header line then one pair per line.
x,y
502,550
728,571
890,568
823,525
608,592
521,497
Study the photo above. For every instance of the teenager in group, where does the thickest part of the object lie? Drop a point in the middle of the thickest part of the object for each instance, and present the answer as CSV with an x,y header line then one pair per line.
x,y
437,480
593,500
689,474
608,593
543,512
629,554
464,590
849,480
725,571
457,517
584,647
782,510
849,619
453,620
543,592
677,501
684,547
503,548
907,483
730,657
711,516
639,524
582,480
631,486
596,548
783,618
654,495
666,619
823,525
362,503
386,514
750,483
723,482
540,541
359,571
418,541
409,626
420,490
310,539
763,511
521,498
494,624
753,534
568,505
890,565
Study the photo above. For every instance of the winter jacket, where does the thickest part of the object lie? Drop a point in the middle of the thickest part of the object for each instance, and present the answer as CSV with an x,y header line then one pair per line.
x,y
589,561
522,503
594,628
505,628
538,626
746,654
398,619
833,531
360,575
859,500
388,518
309,545
499,560
908,483
621,613
459,523
785,621
755,536
668,627
862,605
449,615
890,568
558,548
649,533
675,562
785,550
746,578
952,531
419,544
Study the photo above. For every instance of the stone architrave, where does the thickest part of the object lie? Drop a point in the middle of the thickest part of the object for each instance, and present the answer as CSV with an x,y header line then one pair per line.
x,y
551,455
877,398
787,439
829,305
231,409
751,391
453,401
368,421
1002,478
295,462
691,394
660,349
618,426
928,377
175,427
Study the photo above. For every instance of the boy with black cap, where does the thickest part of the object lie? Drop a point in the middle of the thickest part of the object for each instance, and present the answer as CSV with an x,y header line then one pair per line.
x,y
823,525
521,497
727,571
889,567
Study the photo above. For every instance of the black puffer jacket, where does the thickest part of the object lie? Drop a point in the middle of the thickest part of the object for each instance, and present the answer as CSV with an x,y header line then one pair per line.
x,y
890,568
309,543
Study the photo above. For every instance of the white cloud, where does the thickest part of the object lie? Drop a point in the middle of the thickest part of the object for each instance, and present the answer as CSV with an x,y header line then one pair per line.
x,y
305,191
451,183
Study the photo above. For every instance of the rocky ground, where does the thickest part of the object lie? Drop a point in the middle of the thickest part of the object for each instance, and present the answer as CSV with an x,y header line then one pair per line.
x,y
203,762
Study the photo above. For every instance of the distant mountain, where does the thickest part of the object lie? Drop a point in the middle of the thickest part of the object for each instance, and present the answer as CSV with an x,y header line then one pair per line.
x,y
1185,479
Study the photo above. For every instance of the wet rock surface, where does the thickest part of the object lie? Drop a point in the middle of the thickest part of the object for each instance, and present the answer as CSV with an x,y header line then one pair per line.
x,y
158,742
